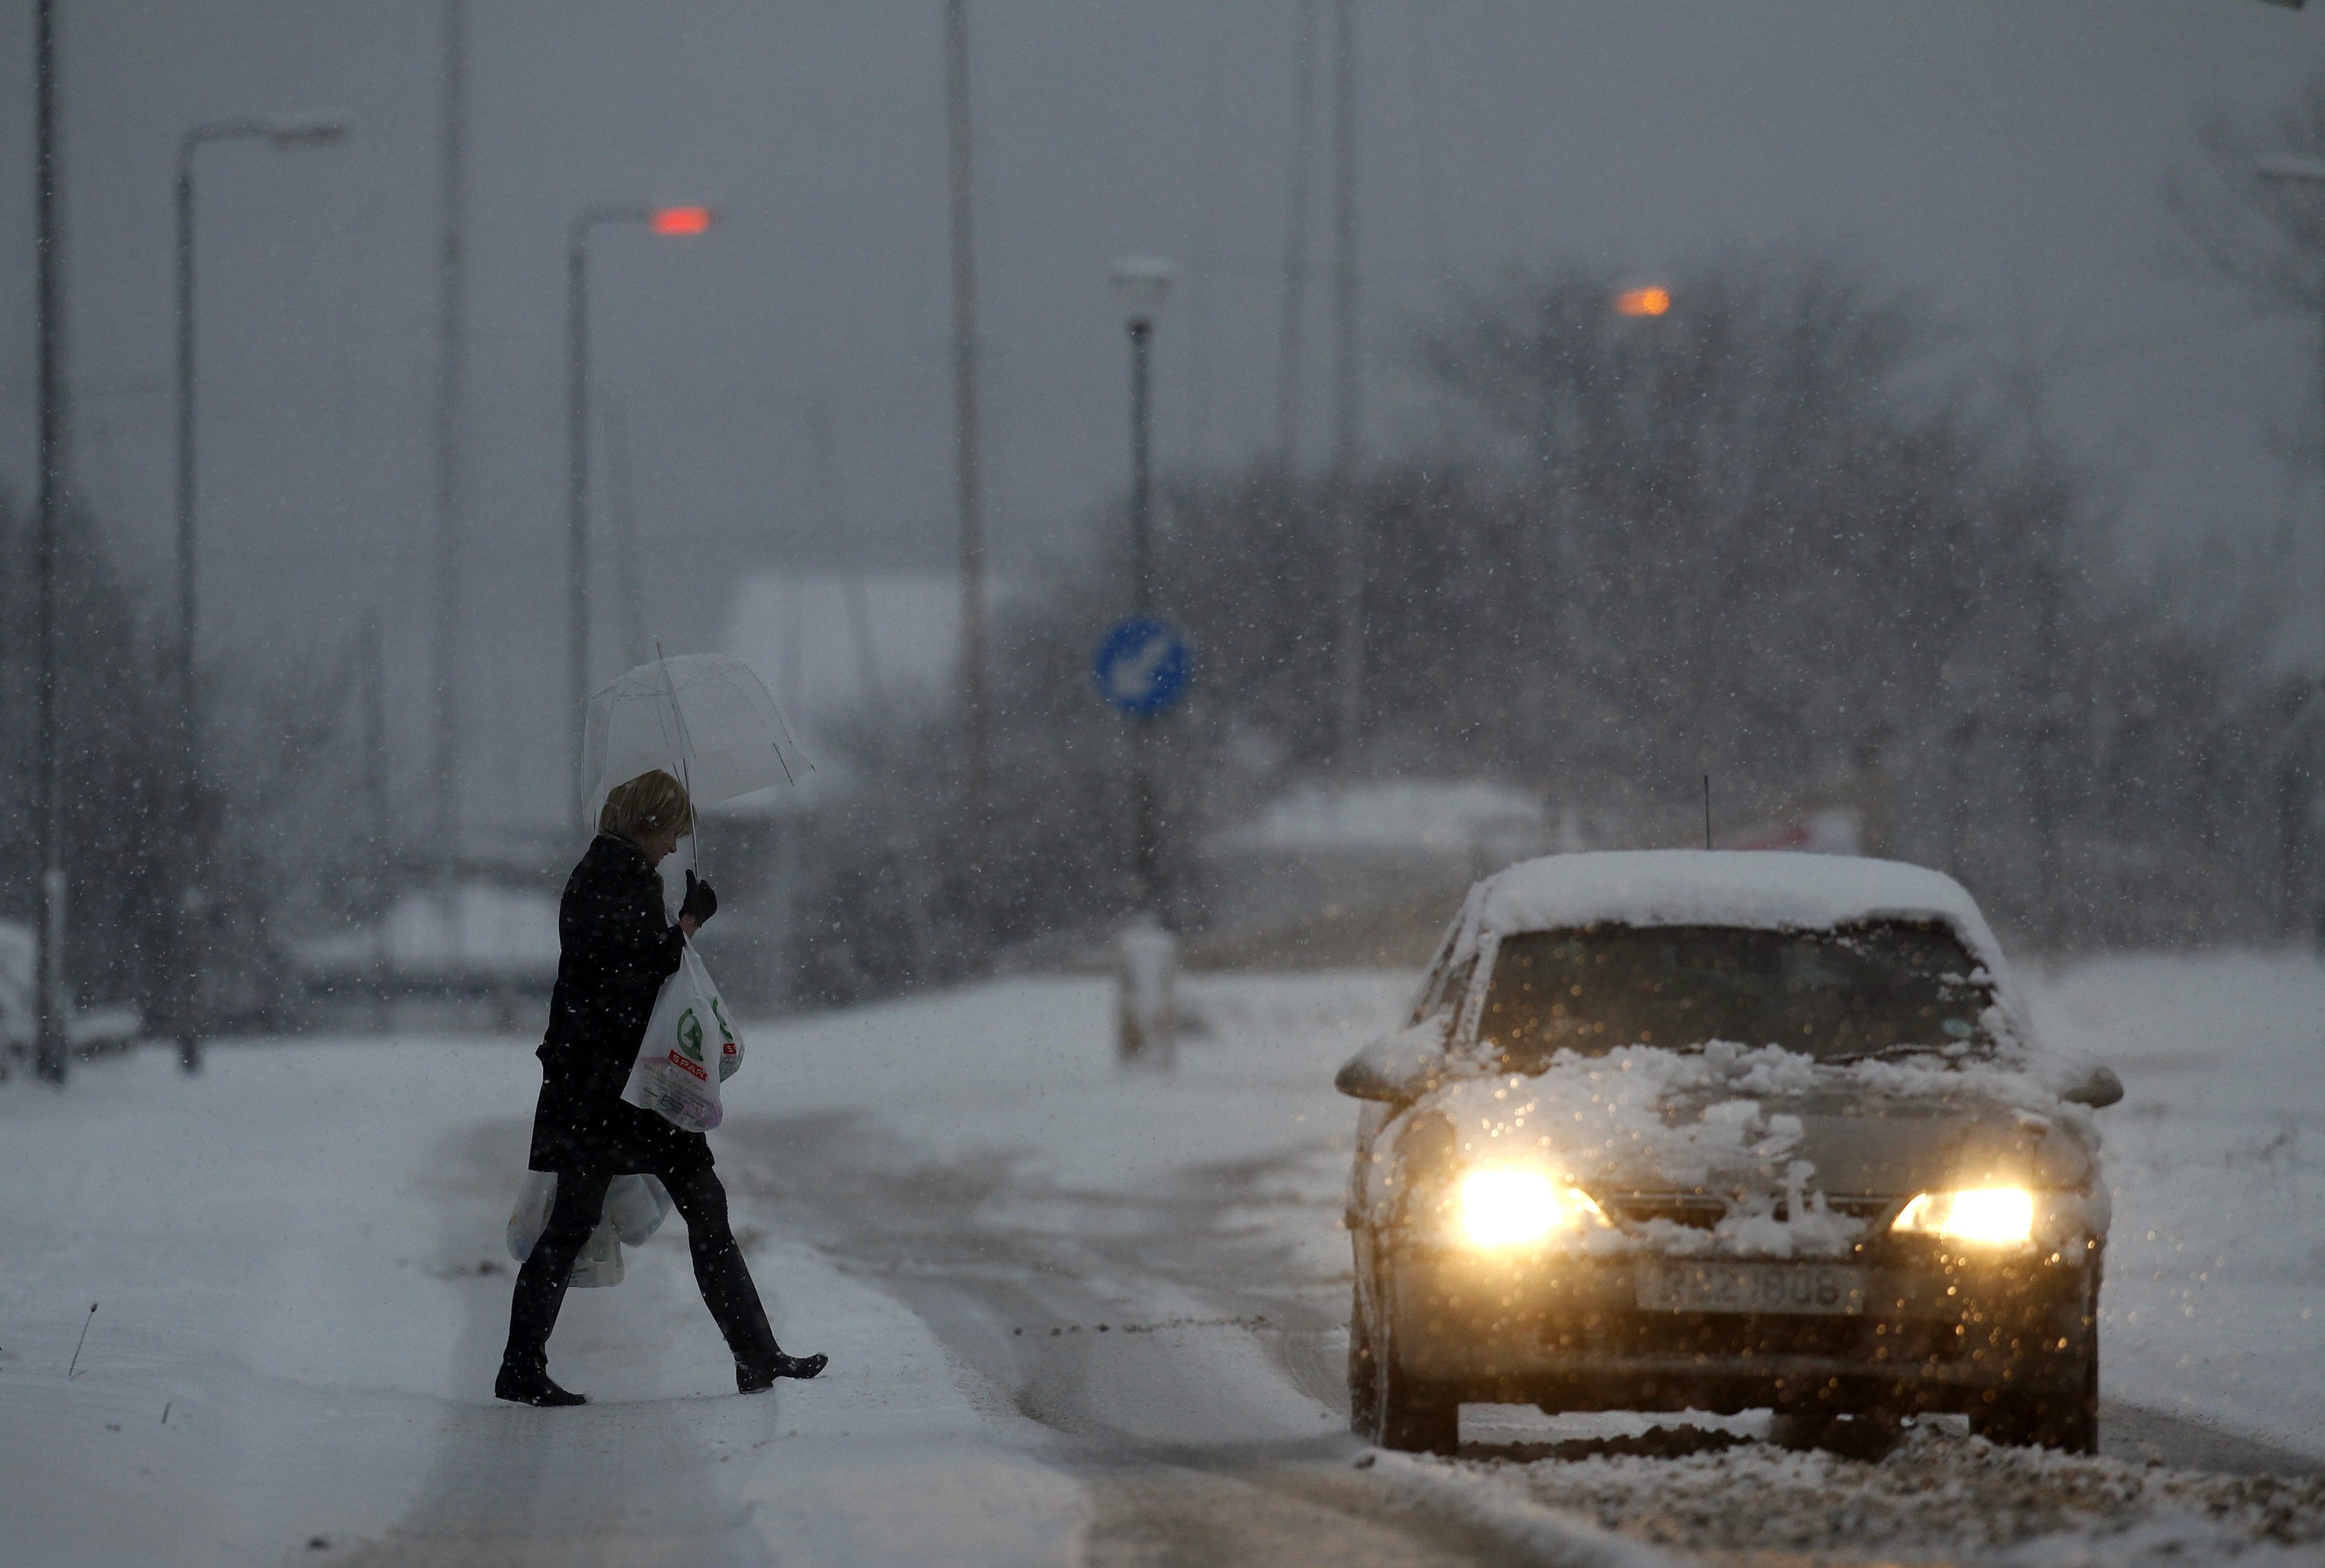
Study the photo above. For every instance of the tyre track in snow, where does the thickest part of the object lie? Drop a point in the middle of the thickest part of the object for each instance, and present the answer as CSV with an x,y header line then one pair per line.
x,y
1175,1413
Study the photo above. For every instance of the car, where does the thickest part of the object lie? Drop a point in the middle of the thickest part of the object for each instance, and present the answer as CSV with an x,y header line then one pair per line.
x,y
1693,1129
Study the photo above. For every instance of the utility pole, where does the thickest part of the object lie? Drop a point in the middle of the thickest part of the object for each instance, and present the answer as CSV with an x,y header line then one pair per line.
x,y
1349,634
371,682
968,460
1292,316
450,386
621,501
49,1001
577,501
188,962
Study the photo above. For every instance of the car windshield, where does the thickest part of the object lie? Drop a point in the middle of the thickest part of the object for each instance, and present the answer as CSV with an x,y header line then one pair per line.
x,y
1859,990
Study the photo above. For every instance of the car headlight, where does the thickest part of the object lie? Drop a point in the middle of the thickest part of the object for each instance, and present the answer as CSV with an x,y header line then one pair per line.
x,y
1986,1216
1504,1206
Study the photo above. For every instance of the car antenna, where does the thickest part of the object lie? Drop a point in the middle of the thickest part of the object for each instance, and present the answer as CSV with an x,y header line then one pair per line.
x,y
1707,811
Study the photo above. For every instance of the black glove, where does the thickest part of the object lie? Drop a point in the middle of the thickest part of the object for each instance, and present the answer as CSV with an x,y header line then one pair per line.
x,y
701,901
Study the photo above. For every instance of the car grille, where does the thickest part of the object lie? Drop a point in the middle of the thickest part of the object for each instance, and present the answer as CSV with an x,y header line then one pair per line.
x,y
1701,1212
1739,1338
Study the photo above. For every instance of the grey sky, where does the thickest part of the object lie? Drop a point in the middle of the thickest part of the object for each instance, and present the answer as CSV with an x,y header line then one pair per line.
x,y
2007,155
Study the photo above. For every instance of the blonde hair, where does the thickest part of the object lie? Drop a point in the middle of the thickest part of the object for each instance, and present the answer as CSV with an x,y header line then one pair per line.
x,y
647,803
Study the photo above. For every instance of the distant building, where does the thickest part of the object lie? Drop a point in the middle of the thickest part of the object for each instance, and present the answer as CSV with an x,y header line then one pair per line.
x,y
1362,872
477,950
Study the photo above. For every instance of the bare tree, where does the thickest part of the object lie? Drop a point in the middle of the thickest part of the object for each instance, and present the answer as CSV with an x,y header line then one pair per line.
x,y
1786,527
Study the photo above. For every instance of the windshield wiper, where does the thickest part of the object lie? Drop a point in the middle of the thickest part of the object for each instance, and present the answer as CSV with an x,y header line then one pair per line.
x,y
1902,1048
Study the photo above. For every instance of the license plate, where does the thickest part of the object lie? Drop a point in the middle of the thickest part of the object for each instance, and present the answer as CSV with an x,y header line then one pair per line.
x,y
1689,1287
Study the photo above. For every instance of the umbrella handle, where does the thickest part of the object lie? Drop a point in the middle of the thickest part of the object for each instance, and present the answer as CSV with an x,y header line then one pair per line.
x,y
694,839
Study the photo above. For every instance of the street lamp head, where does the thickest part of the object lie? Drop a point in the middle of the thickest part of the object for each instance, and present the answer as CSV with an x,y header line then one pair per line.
x,y
1643,300
286,134
1141,286
681,220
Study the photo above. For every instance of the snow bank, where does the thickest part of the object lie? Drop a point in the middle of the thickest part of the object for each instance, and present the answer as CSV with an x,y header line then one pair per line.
x,y
1939,1497
2214,1306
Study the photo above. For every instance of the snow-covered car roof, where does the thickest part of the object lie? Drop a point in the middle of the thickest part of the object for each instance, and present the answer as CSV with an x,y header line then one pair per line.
x,y
1756,889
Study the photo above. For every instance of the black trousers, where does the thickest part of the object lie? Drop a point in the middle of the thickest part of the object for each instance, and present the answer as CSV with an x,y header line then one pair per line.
x,y
719,1267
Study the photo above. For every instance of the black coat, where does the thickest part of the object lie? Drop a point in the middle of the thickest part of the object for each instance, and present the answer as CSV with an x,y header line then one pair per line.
x,y
615,949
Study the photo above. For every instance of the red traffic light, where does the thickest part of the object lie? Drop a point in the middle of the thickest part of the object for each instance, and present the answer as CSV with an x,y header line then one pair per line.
x,y
681,220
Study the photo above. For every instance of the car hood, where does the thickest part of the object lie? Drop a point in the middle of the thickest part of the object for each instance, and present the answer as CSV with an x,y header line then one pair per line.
x,y
1730,1123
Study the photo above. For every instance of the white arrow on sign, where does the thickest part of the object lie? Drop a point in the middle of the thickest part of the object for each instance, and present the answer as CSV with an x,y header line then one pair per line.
x,y
1133,677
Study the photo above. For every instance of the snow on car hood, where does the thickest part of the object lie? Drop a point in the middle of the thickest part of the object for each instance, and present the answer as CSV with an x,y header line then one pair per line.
x,y
1768,1129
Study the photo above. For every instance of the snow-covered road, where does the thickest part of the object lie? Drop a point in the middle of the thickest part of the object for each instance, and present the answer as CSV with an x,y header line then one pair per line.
x,y
1074,1316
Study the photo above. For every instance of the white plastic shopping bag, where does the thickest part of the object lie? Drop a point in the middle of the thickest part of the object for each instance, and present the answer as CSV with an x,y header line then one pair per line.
x,y
530,1217
635,1207
674,1075
598,1264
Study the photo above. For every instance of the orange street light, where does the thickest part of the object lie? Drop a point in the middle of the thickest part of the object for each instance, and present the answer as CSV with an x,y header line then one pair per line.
x,y
681,220
1653,299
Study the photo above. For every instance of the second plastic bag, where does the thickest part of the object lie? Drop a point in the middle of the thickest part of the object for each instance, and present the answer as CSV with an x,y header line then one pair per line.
x,y
635,1207
674,1076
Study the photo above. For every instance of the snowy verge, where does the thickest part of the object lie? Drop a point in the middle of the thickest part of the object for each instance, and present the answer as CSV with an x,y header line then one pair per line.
x,y
298,1258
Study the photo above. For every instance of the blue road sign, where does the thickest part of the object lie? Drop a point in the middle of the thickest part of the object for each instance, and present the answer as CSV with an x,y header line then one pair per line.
x,y
1142,666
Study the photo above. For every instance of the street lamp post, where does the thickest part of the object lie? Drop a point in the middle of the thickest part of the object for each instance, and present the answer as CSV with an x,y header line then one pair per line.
x,y
51,1048
1140,286
2294,168
662,220
192,848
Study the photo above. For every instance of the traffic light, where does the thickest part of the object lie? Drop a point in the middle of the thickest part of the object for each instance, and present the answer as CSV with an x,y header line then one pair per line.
x,y
1653,299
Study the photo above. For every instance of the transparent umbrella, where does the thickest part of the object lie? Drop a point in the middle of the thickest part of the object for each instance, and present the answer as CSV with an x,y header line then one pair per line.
x,y
706,718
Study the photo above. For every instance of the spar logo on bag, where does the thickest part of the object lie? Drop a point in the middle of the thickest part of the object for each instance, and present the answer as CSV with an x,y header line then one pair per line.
x,y
730,1048
690,1041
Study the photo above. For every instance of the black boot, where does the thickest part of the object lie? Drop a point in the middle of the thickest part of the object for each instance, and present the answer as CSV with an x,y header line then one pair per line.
x,y
541,1289
752,1377
523,1383
727,1288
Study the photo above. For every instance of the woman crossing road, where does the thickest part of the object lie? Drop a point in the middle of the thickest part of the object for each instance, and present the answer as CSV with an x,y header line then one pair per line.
x,y
615,950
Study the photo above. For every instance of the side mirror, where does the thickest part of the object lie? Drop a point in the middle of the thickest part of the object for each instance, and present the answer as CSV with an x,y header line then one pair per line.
x,y
2093,1084
1395,1067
